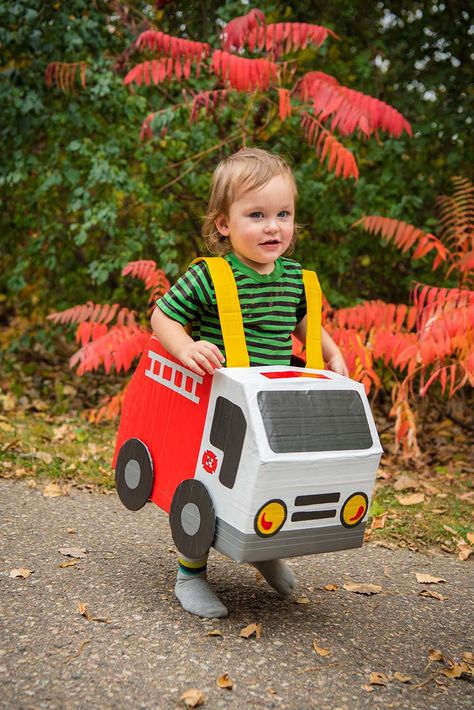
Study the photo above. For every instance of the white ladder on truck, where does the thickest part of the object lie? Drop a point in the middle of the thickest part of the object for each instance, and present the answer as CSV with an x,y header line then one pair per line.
x,y
156,371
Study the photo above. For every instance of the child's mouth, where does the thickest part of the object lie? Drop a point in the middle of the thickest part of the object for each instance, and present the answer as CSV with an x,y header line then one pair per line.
x,y
270,242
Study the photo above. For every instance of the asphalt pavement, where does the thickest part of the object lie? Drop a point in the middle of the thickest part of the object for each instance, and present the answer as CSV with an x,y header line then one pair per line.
x,y
107,632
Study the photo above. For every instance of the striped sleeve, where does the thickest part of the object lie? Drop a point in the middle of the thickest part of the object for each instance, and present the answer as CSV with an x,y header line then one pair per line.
x,y
190,296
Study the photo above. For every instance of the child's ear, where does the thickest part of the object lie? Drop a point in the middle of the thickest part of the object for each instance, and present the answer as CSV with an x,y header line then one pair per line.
x,y
222,225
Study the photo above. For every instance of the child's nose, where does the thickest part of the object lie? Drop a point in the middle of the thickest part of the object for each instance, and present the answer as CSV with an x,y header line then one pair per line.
x,y
271,225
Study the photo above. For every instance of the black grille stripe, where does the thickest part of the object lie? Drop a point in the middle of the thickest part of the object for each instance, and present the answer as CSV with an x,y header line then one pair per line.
x,y
312,515
317,499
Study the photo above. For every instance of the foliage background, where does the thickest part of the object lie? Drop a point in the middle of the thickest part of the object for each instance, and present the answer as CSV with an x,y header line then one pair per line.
x,y
82,196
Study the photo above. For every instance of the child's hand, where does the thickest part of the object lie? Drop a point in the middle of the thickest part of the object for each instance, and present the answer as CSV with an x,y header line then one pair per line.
x,y
201,357
338,365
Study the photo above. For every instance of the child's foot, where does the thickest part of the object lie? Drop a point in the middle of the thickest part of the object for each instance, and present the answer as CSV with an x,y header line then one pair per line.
x,y
196,596
278,575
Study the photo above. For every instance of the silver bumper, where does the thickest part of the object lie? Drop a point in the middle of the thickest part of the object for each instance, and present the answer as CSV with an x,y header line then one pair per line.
x,y
249,547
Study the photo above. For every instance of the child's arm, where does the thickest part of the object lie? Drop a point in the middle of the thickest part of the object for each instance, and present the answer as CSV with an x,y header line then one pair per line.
x,y
200,356
331,353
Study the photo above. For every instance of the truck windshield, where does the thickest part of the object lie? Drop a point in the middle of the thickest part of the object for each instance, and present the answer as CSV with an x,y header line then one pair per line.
x,y
314,420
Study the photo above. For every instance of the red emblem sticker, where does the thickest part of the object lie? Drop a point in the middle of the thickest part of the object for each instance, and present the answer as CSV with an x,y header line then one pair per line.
x,y
209,461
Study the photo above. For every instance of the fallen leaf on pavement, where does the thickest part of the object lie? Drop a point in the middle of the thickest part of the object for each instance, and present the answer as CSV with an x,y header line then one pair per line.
x,y
378,679
457,670
368,688
83,610
72,531
214,632
310,669
470,538
302,600
250,630
435,655
69,563
73,551
428,578
432,595
225,682
320,651
192,697
21,572
464,551
468,657
401,677
330,587
413,499
405,482
362,588
385,544
52,490
79,651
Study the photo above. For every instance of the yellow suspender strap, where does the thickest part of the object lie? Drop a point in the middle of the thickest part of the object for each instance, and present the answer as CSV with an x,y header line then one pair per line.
x,y
312,289
228,307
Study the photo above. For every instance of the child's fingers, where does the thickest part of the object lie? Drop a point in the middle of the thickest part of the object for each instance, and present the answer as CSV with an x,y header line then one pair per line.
x,y
204,360
215,351
193,366
202,357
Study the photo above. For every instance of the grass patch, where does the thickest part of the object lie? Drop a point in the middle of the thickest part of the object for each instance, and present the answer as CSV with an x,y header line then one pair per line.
x,y
442,520
66,449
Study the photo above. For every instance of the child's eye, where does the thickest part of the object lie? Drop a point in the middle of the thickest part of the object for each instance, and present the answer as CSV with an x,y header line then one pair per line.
x,y
256,215
284,213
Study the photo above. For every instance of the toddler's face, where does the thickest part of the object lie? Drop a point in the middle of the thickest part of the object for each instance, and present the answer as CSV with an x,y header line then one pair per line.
x,y
260,224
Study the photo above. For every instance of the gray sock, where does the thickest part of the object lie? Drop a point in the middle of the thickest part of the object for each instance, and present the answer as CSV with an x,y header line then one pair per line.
x,y
278,575
194,592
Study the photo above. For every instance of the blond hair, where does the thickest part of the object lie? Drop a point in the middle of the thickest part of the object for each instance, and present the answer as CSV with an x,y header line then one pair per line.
x,y
248,169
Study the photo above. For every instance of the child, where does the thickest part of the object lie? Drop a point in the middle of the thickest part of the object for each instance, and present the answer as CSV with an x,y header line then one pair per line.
x,y
251,223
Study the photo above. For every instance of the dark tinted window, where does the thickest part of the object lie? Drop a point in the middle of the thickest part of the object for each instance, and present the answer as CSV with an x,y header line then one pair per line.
x,y
228,433
314,420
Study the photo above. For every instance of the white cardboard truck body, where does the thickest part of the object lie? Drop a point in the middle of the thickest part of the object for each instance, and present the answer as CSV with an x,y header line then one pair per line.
x,y
310,484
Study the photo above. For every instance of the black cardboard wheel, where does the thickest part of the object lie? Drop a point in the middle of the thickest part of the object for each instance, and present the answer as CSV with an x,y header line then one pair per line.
x,y
134,474
192,519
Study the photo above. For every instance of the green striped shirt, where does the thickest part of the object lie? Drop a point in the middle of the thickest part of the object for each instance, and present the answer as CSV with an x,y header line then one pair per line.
x,y
271,304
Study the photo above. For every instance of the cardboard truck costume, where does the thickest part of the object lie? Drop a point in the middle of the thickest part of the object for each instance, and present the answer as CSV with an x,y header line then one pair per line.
x,y
258,462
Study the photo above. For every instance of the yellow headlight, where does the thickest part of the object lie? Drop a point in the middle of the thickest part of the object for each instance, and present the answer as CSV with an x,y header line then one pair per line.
x,y
354,510
270,518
